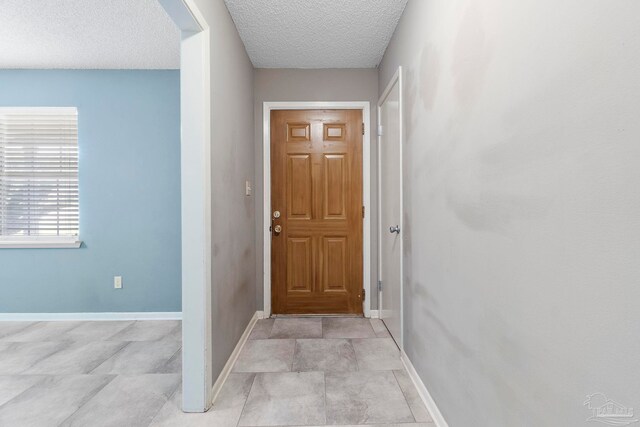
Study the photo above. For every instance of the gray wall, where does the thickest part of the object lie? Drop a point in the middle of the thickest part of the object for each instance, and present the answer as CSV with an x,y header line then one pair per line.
x,y
312,85
232,161
522,205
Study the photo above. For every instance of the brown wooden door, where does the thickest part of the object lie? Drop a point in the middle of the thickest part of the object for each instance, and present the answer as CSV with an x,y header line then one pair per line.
x,y
316,185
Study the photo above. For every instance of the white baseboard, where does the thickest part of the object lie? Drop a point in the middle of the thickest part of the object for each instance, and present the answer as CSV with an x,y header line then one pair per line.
x,y
143,315
374,314
234,356
435,413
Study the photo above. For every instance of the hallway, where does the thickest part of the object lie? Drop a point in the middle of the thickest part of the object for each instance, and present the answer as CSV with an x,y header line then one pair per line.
x,y
312,371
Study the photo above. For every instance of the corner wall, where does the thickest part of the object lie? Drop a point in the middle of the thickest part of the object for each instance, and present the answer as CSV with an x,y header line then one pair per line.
x,y
232,163
522,208
271,85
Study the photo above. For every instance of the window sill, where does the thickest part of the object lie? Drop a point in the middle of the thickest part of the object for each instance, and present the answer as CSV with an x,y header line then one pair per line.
x,y
40,244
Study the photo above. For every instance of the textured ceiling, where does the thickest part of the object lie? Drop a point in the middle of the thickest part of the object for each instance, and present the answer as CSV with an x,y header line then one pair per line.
x,y
87,34
316,34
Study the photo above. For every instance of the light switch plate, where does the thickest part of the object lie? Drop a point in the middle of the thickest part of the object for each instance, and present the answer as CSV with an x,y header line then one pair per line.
x,y
247,188
117,282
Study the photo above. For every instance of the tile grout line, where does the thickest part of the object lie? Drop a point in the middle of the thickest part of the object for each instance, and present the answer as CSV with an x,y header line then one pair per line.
x,y
95,366
324,379
128,343
404,395
354,354
178,351
41,380
168,400
90,398
122,331
271,330
293,356
253,381
3,338
155,415
58,350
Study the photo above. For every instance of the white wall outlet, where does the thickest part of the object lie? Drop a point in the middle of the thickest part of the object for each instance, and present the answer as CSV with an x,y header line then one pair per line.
x,y
117,282
247,188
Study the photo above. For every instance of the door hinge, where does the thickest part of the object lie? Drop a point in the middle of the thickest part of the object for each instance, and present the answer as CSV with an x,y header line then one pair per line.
x,y
363,212
379,285
364,294
363,128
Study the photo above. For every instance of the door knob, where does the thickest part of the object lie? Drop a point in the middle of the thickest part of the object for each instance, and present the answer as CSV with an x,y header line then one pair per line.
x,y
275,228
394,229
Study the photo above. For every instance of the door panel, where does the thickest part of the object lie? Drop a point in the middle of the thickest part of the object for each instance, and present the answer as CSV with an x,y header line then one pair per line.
x,y
299,186
335,264
335,190
390,214
299,264
316,186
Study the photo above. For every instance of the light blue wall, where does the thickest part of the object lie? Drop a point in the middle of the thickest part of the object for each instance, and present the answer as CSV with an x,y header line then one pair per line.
x,y
129,141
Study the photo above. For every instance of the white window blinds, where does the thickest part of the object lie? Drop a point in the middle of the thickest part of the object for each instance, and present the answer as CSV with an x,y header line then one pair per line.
x,y
38,174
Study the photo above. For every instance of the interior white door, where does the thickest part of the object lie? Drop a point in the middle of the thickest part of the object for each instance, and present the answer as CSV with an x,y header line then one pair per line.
x,y
390,208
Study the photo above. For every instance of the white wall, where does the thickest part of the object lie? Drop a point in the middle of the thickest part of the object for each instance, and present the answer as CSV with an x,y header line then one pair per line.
x,y
522,205
232,163
312,85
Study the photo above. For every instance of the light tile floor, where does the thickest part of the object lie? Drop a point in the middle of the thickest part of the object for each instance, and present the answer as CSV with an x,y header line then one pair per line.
x,y
291,372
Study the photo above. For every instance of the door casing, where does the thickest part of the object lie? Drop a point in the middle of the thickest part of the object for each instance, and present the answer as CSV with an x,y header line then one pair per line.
x,y
396,79
366,189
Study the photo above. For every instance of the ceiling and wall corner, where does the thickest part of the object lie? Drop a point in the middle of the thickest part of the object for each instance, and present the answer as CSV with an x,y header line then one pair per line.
x,y
326,34
87,34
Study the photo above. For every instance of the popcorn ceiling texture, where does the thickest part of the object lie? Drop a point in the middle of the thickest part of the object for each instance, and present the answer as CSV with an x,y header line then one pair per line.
x,y
316,34
98,34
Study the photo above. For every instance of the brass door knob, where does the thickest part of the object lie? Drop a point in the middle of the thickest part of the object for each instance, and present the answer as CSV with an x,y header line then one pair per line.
x,y
277,229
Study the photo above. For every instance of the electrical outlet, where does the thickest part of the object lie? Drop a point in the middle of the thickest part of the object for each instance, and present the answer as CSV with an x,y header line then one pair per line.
x,y
117,282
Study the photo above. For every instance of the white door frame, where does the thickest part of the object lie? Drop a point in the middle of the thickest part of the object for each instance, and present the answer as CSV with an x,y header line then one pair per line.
x,y
195,177
366,188
397,78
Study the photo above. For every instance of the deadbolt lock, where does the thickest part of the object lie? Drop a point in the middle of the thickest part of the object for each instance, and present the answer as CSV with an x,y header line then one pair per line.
x,y
276,214
277,229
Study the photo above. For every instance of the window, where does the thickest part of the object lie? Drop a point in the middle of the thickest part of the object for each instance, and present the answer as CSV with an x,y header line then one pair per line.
x,y
39,177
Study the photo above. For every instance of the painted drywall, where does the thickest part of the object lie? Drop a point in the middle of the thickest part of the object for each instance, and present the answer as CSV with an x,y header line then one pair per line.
x,y
313,85
129,175
232,163
522,205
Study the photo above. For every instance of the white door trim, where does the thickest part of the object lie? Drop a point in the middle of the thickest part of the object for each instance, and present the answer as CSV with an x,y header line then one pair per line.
x,y
195,177
397,78
366,188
